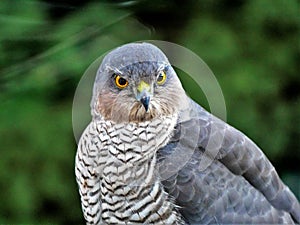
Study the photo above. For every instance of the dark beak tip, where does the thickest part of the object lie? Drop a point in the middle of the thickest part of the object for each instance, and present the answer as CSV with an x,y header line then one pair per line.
x,y
145,100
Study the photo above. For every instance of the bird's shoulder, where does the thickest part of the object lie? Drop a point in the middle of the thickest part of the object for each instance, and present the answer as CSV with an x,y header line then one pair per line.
x,y
207,160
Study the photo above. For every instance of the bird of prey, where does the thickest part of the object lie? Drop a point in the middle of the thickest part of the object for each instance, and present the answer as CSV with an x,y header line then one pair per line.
x,y
139,159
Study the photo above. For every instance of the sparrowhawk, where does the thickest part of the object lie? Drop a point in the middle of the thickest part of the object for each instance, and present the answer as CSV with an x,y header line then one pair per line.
x,y
139,159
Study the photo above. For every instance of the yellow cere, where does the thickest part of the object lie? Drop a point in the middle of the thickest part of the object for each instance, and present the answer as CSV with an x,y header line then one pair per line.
x,y
143,86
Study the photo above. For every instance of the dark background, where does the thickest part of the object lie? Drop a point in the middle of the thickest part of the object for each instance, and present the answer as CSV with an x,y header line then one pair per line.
x,y
45,47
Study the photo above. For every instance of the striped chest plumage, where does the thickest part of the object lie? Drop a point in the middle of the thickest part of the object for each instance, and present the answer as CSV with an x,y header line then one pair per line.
x,y
130,188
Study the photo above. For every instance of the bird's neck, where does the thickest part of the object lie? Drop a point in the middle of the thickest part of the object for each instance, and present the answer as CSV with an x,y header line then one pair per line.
x,y
131,150
135,142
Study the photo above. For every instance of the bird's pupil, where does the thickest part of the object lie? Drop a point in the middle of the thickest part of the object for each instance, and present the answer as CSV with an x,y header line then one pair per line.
x,y
122,81
160,77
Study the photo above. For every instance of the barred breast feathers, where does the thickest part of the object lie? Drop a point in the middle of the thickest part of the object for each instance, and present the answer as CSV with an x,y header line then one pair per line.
x,y
130,187
116,169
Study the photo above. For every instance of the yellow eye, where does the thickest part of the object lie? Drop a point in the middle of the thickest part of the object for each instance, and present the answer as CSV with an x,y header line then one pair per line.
x,y
161,78
121,82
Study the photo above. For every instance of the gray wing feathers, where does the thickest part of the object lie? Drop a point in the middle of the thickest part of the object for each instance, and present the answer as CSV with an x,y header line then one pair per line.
x,y
242,157
217,196
246,159
239,185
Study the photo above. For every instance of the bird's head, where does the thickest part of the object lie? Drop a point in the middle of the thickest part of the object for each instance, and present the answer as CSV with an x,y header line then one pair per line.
x,y
136,83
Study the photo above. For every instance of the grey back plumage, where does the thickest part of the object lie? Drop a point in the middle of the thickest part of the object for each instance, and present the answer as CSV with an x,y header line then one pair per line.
x,y
239,186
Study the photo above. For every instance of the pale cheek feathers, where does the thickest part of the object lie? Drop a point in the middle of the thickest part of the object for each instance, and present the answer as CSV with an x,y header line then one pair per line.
x,y
106,102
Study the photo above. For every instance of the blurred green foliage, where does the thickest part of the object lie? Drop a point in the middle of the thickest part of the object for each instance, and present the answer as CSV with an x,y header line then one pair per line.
x,y
45,46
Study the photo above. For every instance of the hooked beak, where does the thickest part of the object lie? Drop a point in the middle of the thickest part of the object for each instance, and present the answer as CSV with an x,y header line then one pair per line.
x,y
143,94
145,100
